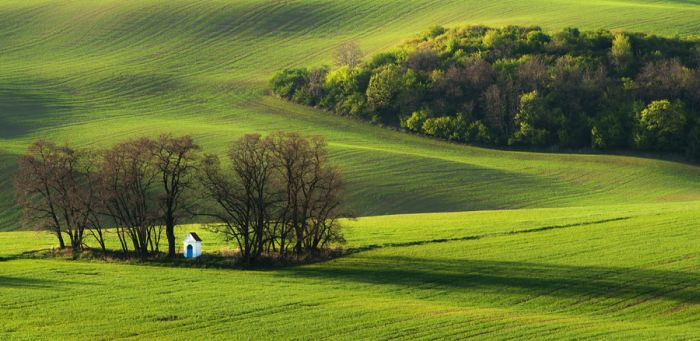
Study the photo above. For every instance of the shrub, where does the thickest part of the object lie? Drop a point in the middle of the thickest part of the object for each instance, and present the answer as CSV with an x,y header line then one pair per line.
x,y
415,121
438,126
288,81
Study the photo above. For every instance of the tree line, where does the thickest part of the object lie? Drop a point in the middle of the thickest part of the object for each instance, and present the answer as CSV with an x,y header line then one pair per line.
x,y
519,86
273,195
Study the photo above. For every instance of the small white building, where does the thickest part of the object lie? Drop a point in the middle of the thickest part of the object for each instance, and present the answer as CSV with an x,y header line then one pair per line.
x,y
192,247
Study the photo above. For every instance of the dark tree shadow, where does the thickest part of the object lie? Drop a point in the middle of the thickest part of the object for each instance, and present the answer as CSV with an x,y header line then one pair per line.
x,y
515,278
22,111
19,282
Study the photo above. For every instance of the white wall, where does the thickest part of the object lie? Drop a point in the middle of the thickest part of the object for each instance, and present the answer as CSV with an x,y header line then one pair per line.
x,y
196,248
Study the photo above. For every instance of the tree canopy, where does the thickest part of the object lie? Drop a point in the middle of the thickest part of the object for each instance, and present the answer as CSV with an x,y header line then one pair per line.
x,y
520,86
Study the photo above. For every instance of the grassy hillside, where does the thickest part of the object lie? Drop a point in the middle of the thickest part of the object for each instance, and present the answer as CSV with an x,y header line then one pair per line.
x,y
555,246
95,72
615,272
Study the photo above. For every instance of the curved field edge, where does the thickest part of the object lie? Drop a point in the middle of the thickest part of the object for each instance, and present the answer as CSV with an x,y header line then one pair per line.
x,y
95,72
625,271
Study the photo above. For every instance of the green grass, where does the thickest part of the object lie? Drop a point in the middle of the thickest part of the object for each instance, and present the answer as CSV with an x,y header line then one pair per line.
x,y
95,72
614,272
555,246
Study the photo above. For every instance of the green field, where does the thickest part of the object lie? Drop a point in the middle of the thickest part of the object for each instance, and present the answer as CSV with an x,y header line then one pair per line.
x,y
614,271
96,72
555,246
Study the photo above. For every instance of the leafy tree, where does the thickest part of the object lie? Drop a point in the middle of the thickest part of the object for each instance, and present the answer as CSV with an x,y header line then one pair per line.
x,y
434,32
479,133
384,86
537,40
610,131
287,82
693,148
343,89
390,91
566,40
534,121
438,126
661,126
621,52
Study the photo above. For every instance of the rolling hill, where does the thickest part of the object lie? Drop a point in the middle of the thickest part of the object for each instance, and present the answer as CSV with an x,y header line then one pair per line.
x,y
96,72
550,245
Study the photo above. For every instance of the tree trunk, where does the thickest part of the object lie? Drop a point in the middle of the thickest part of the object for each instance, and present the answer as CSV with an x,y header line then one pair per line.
x,y
61,243
299,241
170,234
170,231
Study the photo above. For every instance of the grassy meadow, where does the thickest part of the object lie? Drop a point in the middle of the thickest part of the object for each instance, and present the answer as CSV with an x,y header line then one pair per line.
x,y
614,272
453,240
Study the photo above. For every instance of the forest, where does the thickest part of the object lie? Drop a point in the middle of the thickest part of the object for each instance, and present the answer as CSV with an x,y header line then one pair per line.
x,y
520,87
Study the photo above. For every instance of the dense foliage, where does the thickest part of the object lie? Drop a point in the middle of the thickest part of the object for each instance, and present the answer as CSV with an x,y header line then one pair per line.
x,y
521,86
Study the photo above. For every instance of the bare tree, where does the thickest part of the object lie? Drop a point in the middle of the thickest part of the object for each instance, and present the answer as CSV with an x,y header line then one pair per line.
x,y
175,159
127,181
81,196
495,109
664,79
311,191
245,195
532,74
253,164
56,191
34,184
348,53
324,227
280,195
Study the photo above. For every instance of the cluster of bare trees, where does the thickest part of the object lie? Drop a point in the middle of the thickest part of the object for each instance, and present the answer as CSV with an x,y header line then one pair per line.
x,y
135,187
278,195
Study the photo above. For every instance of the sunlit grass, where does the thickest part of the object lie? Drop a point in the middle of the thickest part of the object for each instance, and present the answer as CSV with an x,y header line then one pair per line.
x,y
96,72
556,246
615,272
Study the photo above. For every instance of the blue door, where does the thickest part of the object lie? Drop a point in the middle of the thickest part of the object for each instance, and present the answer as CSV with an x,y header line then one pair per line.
x,y
189,252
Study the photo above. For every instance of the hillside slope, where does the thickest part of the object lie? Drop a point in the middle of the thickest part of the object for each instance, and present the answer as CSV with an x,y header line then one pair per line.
x,y
95,72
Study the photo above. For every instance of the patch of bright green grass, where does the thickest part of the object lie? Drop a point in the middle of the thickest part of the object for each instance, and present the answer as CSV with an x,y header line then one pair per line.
x,y
612,272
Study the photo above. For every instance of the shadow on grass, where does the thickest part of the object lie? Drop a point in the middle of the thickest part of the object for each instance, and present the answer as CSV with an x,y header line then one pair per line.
x,y
28,283
22,110
230,260
533,279
208,260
